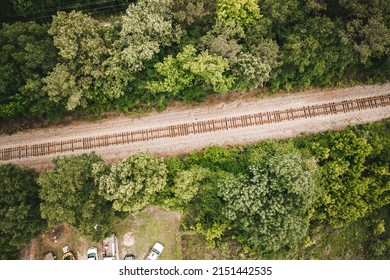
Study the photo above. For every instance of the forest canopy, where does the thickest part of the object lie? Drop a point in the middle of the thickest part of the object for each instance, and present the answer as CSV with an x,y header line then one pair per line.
x,y
159,50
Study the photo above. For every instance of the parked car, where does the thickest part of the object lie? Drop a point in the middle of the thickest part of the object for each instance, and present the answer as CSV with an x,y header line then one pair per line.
x,y
68,256
92,254
155,252
129,257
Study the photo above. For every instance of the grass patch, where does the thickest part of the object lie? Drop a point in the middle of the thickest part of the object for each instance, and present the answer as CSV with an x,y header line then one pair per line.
x,y
138,233
195,247
355,241
347,243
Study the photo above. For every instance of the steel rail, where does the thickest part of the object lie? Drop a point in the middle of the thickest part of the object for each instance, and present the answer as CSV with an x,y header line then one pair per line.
x,y
184,129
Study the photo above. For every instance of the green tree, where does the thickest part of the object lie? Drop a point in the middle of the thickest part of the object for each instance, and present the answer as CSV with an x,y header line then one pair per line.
x,y
378,163
43,8
313,54
145,28
82,51
367,28
204,212
194,12
350,189
254,68
190,72
188,183
22,6
131,183
269,207
216,158
20,220
27,55
223,40
252,62
184,186
281,14
70,196
241,12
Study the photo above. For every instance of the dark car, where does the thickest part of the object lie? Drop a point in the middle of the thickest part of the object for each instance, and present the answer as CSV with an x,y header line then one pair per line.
x,y
68,256
129,257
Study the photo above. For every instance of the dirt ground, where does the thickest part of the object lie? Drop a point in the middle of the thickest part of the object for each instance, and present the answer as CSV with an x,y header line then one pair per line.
x,y
216,110
54,240
136,234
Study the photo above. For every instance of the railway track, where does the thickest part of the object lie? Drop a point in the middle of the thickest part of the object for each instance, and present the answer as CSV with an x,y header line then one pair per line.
x,y
89,143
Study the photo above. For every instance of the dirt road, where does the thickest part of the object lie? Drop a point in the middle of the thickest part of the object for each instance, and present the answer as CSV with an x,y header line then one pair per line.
x,y
184,144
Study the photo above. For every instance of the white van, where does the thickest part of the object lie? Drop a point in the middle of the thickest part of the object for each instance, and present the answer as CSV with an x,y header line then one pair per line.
x,y
155,252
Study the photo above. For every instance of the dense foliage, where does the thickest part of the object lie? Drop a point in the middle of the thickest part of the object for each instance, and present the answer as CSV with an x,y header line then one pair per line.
x,y
131,183
11,10
271,196
353,179
70,196
20,219
268,208
161,49
346,187
27,55
145,29
82,51
190,75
